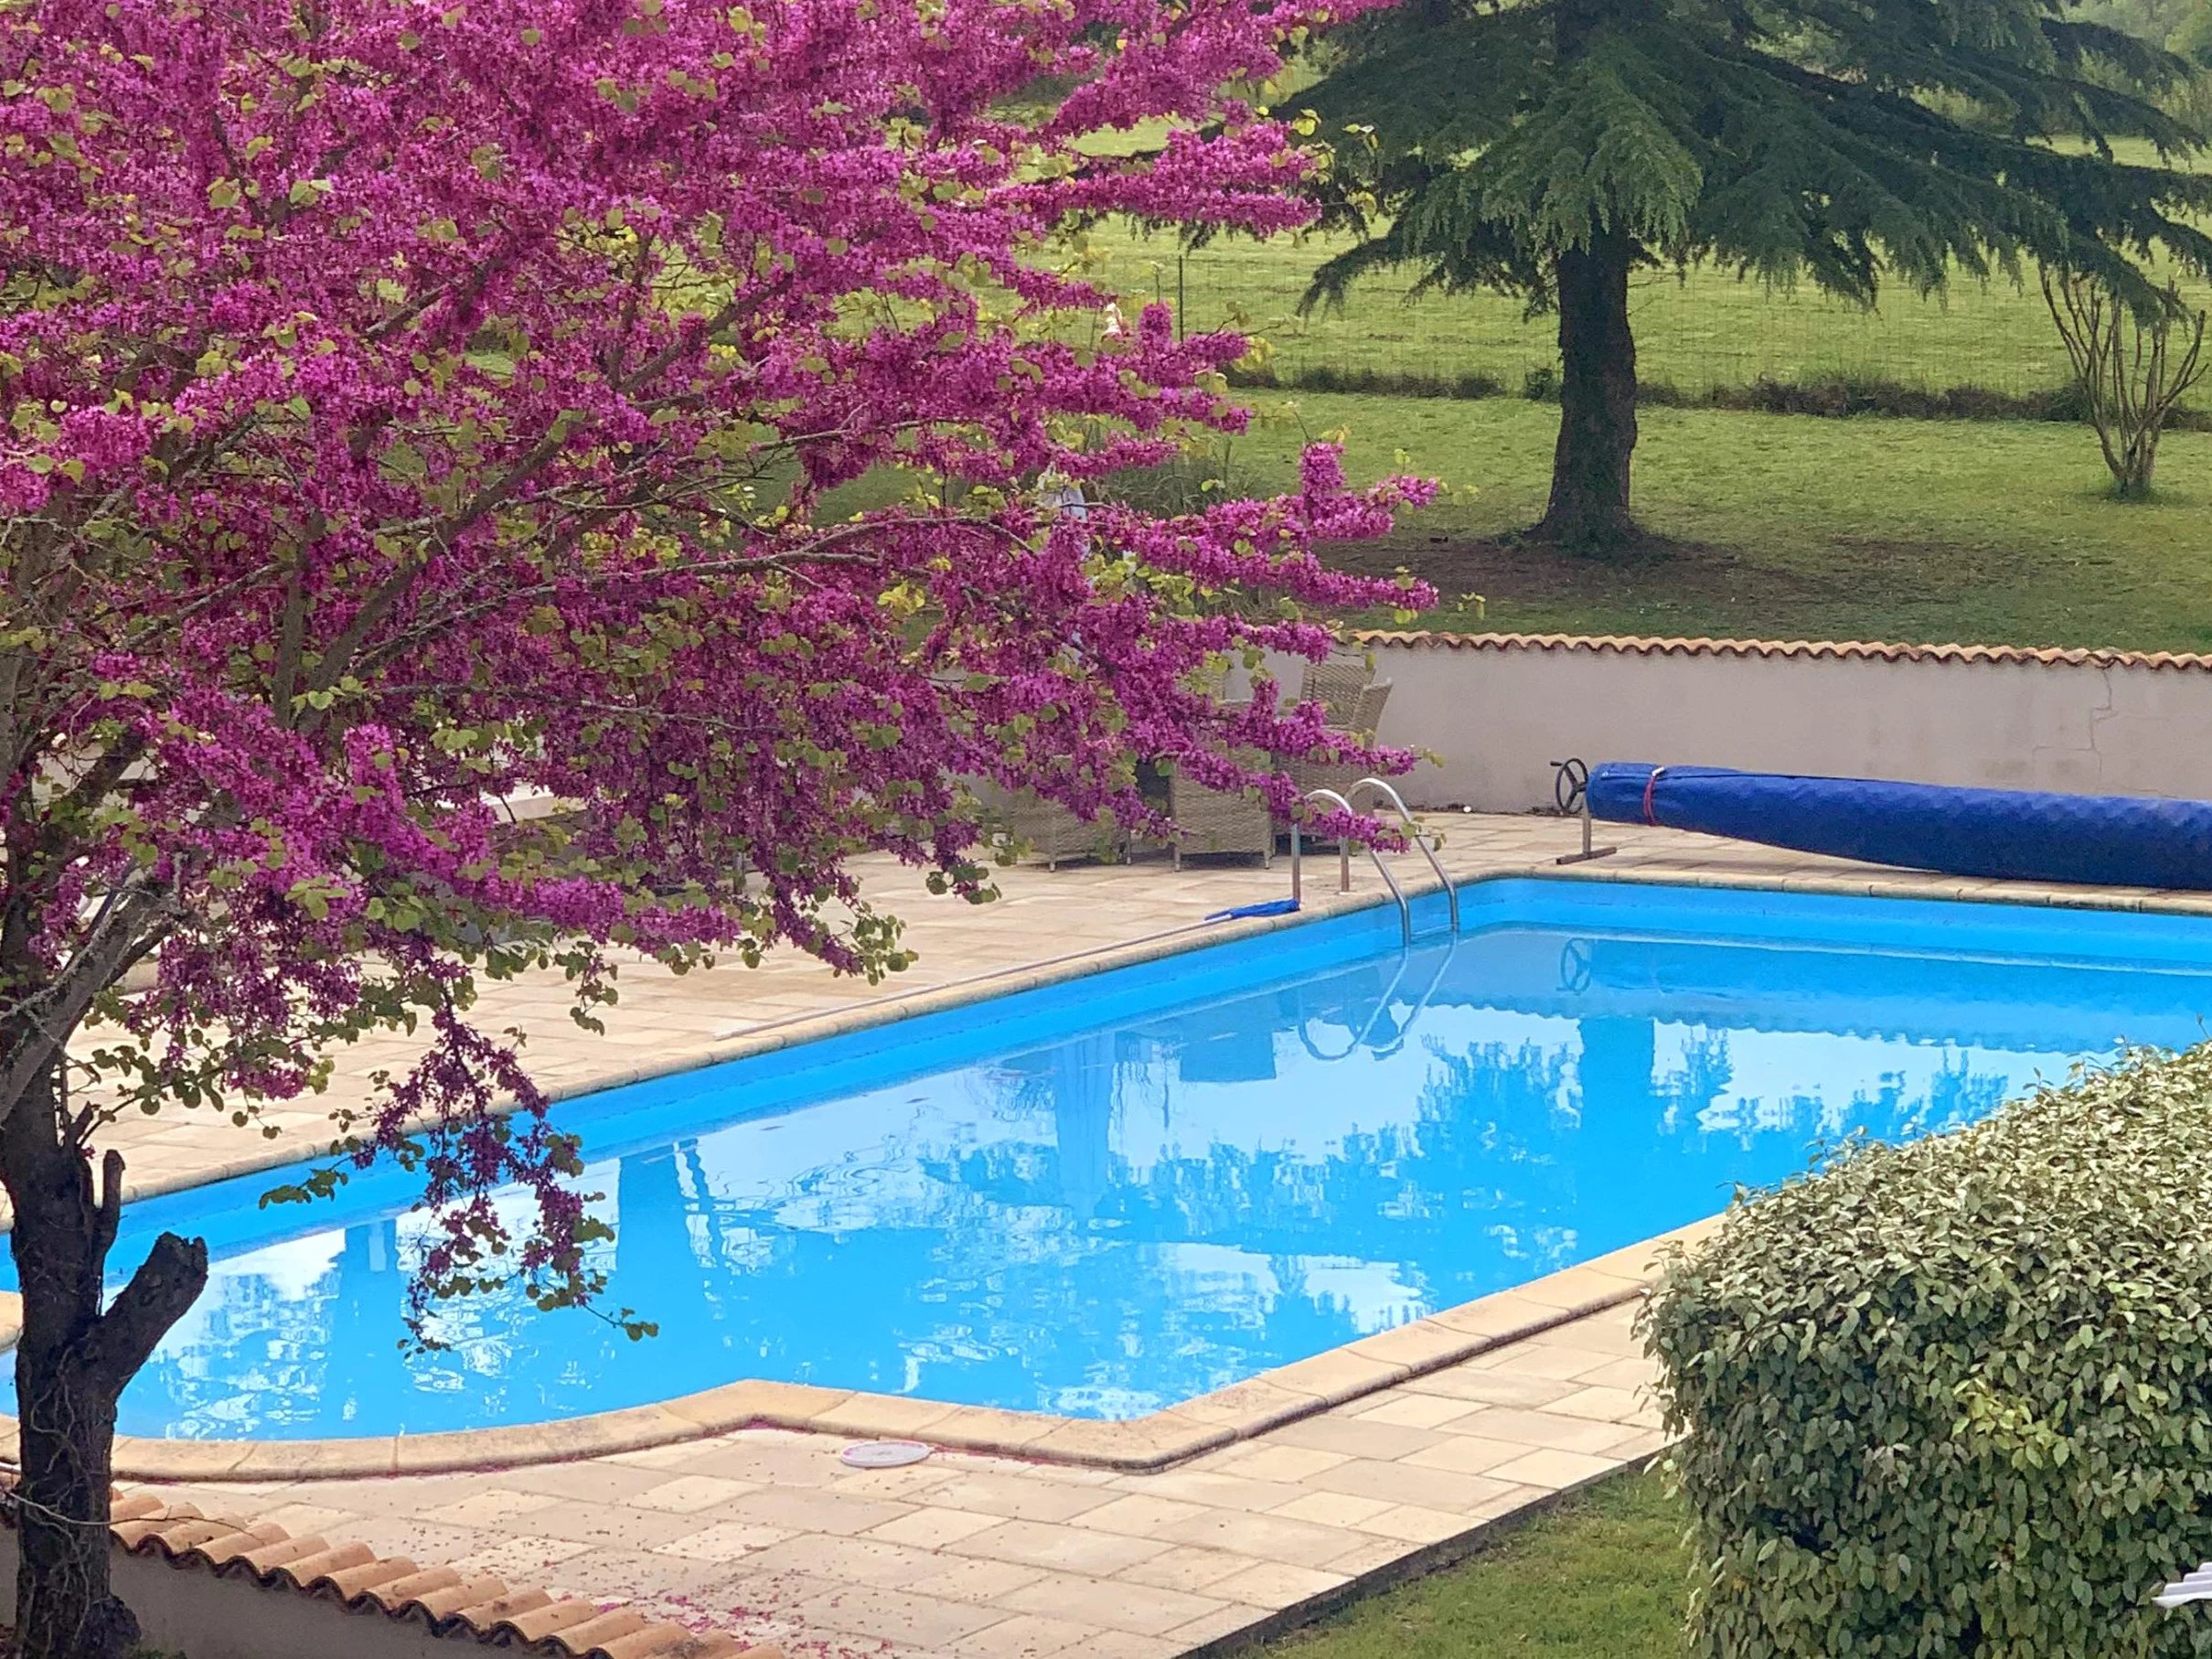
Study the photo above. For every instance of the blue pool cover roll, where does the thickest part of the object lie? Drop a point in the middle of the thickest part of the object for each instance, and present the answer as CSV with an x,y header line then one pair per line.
x,y
2014,834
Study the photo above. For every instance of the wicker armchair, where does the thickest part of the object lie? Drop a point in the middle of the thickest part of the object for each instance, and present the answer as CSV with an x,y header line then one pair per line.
x,y
1220,821
1365,721
1336,685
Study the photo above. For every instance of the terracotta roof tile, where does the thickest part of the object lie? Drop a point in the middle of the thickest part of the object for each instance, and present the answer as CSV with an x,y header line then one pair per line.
x,y
1833,649
266,1556
447,1601
451,1605
305,1572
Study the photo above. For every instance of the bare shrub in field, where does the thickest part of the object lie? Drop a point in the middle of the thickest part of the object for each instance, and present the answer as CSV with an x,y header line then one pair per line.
x,y
2133,369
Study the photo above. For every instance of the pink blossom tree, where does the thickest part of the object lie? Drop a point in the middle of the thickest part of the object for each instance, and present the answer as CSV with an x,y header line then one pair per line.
x,y
410,405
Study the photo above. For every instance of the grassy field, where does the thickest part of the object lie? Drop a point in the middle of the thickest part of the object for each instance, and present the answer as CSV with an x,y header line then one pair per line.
x,y
1602,1578
1702,328
1992,531
1788,526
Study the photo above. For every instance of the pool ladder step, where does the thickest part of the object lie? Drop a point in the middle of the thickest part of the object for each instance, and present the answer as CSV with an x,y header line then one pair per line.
x,y
1412,834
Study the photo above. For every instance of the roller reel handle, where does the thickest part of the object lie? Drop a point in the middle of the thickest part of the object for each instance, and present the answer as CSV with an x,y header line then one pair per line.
x,y
1571,790
1570,783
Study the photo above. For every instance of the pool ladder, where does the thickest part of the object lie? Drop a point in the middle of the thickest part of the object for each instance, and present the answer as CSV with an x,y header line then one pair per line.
x,y
1412,834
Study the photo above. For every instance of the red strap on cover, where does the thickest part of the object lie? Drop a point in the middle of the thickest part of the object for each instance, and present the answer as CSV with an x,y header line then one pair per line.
x,y
1650,784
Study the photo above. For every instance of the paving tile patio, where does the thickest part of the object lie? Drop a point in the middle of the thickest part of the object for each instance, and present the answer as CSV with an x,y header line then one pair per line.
x,y
808,1553
765,1533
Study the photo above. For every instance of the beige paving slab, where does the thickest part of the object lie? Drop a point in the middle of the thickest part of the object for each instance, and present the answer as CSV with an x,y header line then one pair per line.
x,y
1029,1636
1409,1407
1187,1567
1049,1544
1146,1567
896,1615
1552,1469
692,1494
980,1582
728,1541
1414,1524
1102,1605
1273,1584
1412,1482
1334,1508
932,1528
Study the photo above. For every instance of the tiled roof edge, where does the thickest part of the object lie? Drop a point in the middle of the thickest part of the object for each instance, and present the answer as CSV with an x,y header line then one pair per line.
x,y
449,1603
1853,650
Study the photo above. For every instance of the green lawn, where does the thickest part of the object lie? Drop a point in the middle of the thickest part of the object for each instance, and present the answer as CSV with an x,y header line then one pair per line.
x,y
1602,1578
1703,330
1792,526
1699,329
1788,526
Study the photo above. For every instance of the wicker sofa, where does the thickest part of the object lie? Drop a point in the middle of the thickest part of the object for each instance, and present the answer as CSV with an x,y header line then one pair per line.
x,y
1220,821
1049,833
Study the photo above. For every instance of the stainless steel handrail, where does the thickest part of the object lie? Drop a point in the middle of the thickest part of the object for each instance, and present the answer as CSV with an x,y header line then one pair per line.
x,y
1297,885
1412,834
1343,850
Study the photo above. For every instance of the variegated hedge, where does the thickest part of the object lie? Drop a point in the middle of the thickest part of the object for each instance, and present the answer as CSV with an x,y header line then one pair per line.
x,y
1955,1397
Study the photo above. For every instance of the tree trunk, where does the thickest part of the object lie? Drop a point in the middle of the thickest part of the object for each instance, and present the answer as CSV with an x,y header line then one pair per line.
x,y
70,1368
1589,504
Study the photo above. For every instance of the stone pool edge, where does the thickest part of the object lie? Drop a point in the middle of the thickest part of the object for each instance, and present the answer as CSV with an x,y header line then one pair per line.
x,y
1140,1445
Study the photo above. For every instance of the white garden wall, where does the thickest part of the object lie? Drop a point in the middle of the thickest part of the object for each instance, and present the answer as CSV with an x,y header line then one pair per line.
x,y
1497,709
190,1611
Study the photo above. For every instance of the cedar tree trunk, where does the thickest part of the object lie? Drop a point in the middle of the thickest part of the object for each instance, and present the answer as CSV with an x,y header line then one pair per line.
x,y
1589,504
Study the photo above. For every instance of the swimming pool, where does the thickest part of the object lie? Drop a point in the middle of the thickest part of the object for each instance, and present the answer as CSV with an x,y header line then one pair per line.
x,y
1103,1197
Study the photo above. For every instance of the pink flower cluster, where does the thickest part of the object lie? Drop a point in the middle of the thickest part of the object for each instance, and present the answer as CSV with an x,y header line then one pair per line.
x,y
641,403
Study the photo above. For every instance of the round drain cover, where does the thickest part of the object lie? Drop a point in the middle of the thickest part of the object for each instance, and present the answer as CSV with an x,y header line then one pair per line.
x,y
883,1454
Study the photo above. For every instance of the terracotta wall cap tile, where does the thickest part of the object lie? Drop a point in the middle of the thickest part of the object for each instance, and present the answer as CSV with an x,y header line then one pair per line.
x,y
399,1593
453,1602
351,1585
1842,651
512,1604
671,1642
178,1538
222,1550
309,1570
611,1626
133,1534
269,1557
135,1506
542,1621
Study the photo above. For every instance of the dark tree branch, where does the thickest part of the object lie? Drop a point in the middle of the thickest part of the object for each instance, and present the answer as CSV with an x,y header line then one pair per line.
x,y
130,926
159,1294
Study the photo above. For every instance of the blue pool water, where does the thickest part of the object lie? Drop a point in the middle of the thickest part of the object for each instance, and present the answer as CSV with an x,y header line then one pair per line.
x,y
1107,1196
